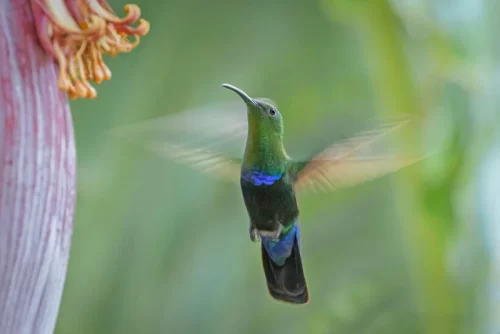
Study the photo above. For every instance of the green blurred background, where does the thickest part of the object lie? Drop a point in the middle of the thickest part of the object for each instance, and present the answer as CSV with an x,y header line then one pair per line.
x,y
160,248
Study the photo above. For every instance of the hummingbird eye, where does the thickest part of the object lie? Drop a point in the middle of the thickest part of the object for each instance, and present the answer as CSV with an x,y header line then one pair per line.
x,y
272,111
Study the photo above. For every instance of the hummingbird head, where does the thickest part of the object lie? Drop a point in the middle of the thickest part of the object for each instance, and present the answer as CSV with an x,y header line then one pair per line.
x,y
262,117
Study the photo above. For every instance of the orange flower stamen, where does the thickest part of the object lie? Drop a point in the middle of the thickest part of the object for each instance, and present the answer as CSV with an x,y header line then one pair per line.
x,y
78,32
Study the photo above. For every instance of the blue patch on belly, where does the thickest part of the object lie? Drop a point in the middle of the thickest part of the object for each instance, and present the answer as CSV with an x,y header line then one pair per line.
x,y
258,178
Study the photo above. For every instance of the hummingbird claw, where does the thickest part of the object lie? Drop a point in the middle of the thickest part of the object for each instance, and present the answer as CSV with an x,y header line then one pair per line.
x,y
272,235
254,234
278,233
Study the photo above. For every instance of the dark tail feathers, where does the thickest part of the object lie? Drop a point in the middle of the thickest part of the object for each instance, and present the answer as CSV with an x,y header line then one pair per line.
x,y
287,282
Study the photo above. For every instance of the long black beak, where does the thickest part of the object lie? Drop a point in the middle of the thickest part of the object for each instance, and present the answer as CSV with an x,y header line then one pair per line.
x,y
242,94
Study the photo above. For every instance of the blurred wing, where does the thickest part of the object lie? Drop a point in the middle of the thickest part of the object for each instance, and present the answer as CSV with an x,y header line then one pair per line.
x,y
331,175
210,138
348,163
201,159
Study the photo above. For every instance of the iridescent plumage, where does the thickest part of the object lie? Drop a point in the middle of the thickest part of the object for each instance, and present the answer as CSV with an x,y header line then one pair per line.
x,y
258,177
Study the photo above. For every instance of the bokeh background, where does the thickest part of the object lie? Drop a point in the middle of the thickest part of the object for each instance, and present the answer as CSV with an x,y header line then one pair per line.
x,y
161,248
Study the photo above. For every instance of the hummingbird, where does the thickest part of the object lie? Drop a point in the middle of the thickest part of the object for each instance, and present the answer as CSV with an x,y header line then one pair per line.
x,y
269,179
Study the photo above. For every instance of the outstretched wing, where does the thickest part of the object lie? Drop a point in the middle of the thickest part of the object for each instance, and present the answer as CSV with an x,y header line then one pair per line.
x,y
351,162
202,159
209,139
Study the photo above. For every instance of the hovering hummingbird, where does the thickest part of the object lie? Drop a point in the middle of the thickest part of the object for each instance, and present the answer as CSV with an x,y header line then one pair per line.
x,y
269,179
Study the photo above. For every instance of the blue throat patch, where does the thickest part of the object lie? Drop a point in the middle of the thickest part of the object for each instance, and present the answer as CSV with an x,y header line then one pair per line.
x,y
260,178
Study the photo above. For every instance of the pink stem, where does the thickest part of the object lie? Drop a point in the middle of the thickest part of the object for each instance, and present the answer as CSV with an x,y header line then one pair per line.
x,y
37,178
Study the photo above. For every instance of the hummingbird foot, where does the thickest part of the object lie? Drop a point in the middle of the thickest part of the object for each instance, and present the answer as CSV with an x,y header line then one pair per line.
x,y
278,233
273,235
254,234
